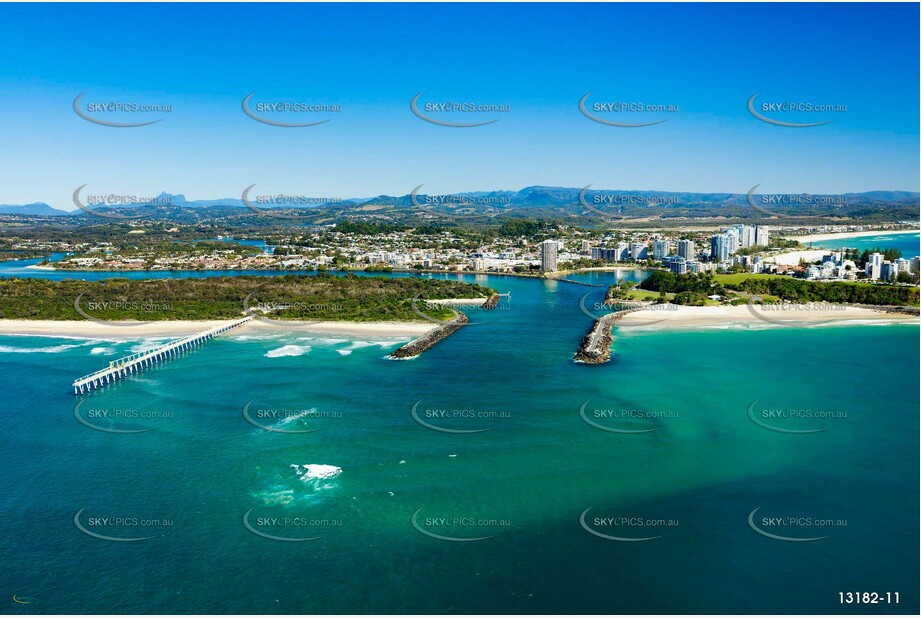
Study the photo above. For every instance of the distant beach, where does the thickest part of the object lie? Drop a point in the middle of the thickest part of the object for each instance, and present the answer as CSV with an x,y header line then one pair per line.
x,y
680,316
842,235
792,258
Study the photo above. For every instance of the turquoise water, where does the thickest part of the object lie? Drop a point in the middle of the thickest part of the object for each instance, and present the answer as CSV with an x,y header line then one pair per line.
x,y
694,478
907,243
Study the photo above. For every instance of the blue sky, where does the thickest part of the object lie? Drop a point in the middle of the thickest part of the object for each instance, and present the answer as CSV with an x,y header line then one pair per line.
x,y
537,59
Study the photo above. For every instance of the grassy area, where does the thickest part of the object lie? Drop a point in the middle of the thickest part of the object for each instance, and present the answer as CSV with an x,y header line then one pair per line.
x,y
737,278
740,277
637,294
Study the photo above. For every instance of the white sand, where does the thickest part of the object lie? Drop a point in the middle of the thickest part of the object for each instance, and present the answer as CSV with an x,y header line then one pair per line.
x,y
451,302
841,235
792,258
88,329
741,315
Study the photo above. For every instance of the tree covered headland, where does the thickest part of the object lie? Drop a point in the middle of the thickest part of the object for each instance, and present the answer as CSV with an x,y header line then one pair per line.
x,y
295,297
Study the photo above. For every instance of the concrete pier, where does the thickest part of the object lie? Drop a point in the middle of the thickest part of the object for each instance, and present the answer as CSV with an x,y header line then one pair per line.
x,y
134,363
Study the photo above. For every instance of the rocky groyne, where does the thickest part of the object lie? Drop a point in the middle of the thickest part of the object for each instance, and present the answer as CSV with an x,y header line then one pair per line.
x,y
596,345
905,309
492,302
421,344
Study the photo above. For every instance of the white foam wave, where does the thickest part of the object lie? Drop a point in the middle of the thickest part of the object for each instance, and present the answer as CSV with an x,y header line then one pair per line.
x,y
295,417
150,343
276,496
323,340
102,351
52,349
254,337
288,350
316,472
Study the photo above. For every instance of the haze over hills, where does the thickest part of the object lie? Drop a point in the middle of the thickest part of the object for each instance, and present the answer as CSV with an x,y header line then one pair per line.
x,y
36,208
533,201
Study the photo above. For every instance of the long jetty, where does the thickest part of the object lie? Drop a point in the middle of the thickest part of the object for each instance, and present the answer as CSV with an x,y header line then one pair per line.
x,y
135,363
574,282
422,343
596,345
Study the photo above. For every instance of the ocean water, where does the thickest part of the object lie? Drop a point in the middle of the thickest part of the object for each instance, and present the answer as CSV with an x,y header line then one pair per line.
x,y
906,242
323,438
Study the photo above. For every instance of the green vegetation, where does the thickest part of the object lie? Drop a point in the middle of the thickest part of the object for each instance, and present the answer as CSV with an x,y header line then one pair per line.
x,y
670,282
366,228
695,299
646,295
753,250
777,286
150,251
785,243
798,290
740,277
528,228
305,297
888,254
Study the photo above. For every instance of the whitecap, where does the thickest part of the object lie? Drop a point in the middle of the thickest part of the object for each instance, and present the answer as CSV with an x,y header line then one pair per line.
x,y
288,350
52,349
149,344
311,472
294,417
254,337
323,340
102,351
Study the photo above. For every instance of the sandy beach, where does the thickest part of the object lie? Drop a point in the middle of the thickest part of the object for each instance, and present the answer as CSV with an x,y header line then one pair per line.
x,y
679,316
792,258
178,328
842,235
458,302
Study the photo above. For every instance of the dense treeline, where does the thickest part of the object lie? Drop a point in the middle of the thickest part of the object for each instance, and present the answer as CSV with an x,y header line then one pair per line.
x,y
524,227
691,288
667,281
890,254
366,228
307,297
797,290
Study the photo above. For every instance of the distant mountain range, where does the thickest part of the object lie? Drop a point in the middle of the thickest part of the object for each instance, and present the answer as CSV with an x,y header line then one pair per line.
x,y
37,208
535,201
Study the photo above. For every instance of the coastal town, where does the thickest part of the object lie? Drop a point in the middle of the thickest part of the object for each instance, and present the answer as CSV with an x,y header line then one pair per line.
x,y
753,249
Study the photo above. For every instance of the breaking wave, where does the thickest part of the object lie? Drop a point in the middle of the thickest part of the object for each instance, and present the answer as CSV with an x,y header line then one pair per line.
x,y
288,350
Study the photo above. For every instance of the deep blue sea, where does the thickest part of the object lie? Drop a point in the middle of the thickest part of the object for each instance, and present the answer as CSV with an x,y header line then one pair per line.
x,y
725,448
